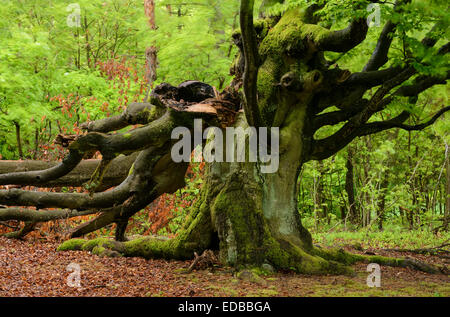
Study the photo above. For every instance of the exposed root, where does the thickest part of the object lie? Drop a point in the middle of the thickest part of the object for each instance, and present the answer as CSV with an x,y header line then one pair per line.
x,y
342,256
437,251
323,261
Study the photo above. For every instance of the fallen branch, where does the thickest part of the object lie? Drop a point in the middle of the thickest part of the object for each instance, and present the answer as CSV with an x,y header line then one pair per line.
x,y
207,259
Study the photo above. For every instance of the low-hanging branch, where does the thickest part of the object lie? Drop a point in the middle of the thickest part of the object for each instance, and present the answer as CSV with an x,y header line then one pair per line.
x,y
41,215
65,200
81,174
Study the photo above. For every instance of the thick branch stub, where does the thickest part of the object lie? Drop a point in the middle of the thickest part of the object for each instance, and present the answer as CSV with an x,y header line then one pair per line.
x,y
42,177
78,176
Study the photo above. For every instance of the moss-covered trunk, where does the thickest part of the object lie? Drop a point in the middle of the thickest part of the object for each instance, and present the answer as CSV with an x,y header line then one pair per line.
x,y
255,214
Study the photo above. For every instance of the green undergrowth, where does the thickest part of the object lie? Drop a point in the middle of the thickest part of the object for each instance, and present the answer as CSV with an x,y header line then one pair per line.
x,y
358,288
391,237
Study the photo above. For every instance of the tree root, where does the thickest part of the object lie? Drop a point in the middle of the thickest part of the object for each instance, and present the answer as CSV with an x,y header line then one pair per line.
x,y
147,247
322,261
437,251
342,256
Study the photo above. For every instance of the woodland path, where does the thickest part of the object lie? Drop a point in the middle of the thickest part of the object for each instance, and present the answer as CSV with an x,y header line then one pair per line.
x,y
34,268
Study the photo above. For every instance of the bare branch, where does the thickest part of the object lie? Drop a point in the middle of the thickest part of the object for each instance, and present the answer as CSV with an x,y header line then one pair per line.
x,y
136,113
374,78
379,56
79,175
421,84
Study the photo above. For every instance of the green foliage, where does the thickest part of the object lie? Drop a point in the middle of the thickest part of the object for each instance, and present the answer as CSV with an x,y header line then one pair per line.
x,y
404,169
194,40
46,62
393,236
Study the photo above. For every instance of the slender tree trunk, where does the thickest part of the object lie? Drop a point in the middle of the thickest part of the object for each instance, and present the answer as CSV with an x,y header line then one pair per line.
x,y
447,190
151,58
385,182
382,201
36,143
19,140
350,187
88,44
319,208
367,210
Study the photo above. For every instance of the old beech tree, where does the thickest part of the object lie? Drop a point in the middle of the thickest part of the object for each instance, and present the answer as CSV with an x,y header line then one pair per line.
x,y
283,79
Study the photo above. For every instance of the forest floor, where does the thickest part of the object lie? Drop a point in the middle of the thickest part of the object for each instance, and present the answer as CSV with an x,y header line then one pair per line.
x,y
34,268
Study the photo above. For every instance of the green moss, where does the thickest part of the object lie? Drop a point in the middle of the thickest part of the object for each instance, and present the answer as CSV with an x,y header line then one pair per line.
x,y
339,255
251,276
98,250
156,248
292,34
234,209
131,169
384,260
268,76
223,290
263,293
286,48
91,244
249,239
150,114
72,244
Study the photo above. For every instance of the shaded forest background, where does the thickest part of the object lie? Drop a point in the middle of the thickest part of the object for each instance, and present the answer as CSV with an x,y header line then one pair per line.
x,y
389,188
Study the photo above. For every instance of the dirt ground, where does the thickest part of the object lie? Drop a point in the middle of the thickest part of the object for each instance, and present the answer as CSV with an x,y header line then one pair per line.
x,y
30,268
